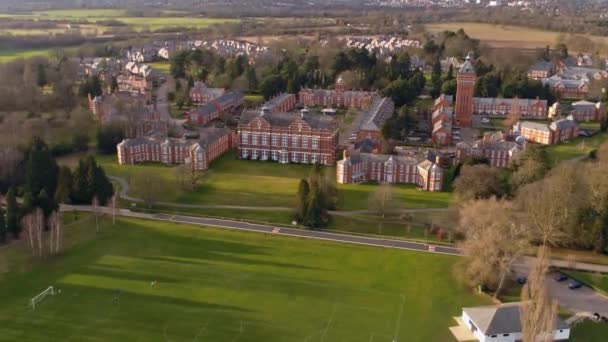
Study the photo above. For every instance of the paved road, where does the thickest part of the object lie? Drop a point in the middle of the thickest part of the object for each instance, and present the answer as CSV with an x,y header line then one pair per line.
x,y
260,228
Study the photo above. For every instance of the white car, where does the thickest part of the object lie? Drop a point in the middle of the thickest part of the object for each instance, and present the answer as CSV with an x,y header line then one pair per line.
x,y
485,120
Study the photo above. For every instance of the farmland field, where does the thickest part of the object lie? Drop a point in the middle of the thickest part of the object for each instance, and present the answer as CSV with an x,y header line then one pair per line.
x,y
505,35
167,20
219,285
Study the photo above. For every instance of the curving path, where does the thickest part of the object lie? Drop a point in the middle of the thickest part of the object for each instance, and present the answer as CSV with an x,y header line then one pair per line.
x,y
124,194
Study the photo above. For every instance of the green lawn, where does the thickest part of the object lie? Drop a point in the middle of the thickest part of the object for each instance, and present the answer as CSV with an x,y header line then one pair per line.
x,y
218,285
589,331
255,183
576,148
163,66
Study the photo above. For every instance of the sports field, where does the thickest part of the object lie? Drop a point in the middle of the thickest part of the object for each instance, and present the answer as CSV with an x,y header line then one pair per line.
x,y
506,35
255,183
217,285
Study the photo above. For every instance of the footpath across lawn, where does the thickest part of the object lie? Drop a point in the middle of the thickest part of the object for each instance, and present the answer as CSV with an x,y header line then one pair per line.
x,y
231,181
155,281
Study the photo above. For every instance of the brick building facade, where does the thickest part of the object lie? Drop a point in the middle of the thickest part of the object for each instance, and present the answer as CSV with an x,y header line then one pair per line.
x,y
287,138
467,105
556,132
281,103
441,120
213,109
201,94
499,153
380,110
198,153
365,167
339,97
588,111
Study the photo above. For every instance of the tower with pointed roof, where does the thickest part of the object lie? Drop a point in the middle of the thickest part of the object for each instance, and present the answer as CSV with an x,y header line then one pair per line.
x,y
465,86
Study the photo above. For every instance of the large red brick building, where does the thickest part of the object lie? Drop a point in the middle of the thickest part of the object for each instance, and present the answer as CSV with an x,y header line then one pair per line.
x,y
467,105
588,111
198,153
427,175
556,132
201,94
287,138
214,108
374,117
281,103
339,97
441,120
497,151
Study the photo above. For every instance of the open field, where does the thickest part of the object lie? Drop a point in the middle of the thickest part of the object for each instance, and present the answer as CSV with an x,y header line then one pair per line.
x,y
7,55
168,20
506,35
254,183
162,66
217,285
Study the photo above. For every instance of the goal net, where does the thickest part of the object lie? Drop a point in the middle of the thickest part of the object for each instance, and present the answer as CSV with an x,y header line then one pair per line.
x,y
41,296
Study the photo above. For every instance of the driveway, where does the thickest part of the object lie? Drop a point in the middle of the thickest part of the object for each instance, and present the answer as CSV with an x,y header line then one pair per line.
x,y
580,301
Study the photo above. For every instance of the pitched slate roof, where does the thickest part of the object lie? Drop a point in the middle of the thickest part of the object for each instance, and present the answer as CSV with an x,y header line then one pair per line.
x,y
378,112
501,319
285,119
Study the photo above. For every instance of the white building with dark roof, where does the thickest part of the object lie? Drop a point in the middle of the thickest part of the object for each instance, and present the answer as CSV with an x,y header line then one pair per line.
x,y
502,323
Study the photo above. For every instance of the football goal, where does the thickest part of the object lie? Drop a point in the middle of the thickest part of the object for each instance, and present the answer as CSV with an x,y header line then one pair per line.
x,y
42,295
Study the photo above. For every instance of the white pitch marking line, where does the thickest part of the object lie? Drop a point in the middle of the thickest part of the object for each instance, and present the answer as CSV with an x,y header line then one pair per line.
x,y
331,318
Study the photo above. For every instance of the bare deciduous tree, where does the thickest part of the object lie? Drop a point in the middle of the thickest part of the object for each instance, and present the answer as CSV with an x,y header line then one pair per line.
x,y
55,222
538,311
33,222
96,212
493,241
552,205
381,200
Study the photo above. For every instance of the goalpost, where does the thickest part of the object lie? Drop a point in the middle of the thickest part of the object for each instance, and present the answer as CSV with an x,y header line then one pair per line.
x,y
42,295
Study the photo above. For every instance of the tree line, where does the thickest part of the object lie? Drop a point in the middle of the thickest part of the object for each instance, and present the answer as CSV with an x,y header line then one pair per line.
x,y
44,187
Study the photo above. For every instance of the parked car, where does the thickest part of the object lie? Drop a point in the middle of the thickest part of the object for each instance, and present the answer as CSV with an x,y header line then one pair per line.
x,y
575,285
485,120
560,277
522,280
